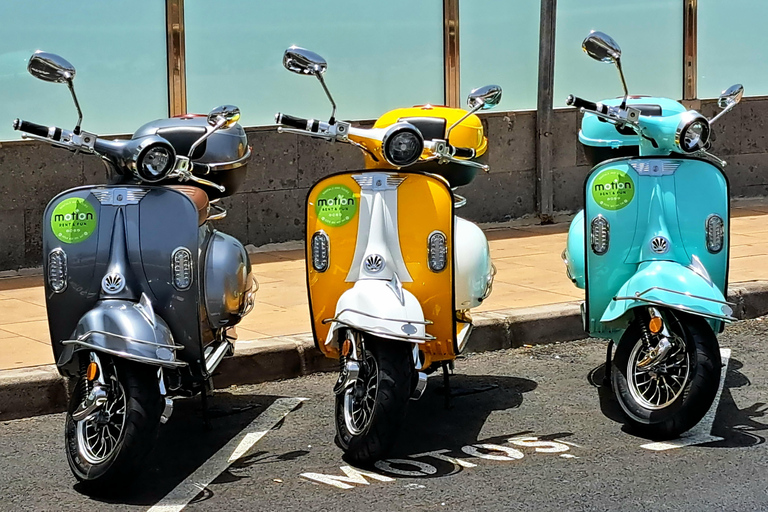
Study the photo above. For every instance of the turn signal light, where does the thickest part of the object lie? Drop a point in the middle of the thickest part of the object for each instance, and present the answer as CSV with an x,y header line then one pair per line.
x,y
600,234
715,233
57,270
655,324
321,245
181,268
437,251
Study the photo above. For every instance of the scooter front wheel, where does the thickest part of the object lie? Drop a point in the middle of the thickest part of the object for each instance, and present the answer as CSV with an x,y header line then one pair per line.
x,y
664,400
106,447
369,413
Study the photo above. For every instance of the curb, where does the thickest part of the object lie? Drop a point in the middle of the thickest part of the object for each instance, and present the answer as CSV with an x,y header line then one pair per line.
x,y
40,390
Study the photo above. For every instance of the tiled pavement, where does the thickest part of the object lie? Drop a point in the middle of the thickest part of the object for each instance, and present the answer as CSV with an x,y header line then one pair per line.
x,y
530,273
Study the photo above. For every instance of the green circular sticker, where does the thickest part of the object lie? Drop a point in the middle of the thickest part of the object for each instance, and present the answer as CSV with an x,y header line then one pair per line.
x,y
336,205
613,189
73,220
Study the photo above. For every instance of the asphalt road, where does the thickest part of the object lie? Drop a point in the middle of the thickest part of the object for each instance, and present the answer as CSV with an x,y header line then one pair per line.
x,y
556,443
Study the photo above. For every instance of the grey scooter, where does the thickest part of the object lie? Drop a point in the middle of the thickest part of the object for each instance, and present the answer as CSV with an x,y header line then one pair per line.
x,y
136,311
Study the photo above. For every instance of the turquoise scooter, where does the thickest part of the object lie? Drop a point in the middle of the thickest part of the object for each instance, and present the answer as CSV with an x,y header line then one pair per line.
x,y
651,250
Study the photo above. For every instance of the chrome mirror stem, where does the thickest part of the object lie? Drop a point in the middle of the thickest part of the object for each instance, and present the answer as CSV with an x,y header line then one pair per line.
x,y
77,106
330,98
209,131
454,125
623,83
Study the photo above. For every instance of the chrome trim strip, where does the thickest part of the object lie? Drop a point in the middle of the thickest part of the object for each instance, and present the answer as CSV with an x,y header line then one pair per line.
x,y
88,334
139,359
680,308
350,310
220,166
640,294
426,337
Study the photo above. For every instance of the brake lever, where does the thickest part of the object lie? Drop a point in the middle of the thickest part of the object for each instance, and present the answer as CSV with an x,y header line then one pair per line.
x,y
442,155
316,135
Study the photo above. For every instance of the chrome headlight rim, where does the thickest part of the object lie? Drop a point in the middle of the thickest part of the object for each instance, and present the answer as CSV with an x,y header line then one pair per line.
x,y
391,136
145,150
690,120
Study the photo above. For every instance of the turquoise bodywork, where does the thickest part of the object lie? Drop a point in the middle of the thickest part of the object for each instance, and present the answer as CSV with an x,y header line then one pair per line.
x,y
659,194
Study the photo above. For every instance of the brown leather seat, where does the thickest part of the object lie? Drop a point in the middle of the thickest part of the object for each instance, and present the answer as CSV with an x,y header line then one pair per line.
x,y
199,197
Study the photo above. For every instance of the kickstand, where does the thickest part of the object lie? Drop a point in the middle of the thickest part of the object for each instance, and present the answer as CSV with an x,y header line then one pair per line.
x,y
447,385
204,403
607,372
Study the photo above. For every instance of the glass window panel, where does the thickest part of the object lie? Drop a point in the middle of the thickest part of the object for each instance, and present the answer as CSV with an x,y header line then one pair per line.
x,y
731,47
380,55
650,34
117,47
499,42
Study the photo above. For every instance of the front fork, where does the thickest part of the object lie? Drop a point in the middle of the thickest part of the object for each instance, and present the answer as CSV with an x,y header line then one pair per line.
x,y
352,359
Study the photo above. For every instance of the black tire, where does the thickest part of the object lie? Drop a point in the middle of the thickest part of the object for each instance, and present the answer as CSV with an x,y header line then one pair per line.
x,y
108,472
696,395
394,370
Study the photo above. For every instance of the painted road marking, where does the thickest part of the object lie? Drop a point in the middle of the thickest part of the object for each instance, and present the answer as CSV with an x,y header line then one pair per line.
x,y
238,446
410,468
702,432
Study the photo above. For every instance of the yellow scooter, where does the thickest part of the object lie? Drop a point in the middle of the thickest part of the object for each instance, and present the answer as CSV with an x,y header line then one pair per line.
x,y
389,287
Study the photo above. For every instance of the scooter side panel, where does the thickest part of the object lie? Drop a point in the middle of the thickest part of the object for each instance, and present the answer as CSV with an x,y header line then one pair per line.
x,y
425,204
671,201
157,221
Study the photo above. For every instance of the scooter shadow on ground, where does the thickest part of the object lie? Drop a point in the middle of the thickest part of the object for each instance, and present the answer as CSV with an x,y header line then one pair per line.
x,y
429,425
185,443
736,426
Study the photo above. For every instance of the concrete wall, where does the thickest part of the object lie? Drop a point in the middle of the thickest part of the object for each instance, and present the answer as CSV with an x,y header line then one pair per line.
x,y
270,206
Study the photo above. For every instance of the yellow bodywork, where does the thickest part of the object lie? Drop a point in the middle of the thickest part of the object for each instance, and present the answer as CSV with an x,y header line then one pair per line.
x,y
425,204
468,134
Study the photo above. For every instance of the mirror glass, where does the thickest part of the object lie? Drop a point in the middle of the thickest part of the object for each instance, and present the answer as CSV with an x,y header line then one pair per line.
x,y
485,97
731,96
601,47
304,62
230,114
50,67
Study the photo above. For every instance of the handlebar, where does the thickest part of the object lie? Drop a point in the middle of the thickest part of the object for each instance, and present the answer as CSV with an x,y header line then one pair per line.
x,y
52,132
464,152
575,101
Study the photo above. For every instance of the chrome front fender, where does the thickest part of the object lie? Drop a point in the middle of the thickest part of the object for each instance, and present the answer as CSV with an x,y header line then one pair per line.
x,y
124,329
671,285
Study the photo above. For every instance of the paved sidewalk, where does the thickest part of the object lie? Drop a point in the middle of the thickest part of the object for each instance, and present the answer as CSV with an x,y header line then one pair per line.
x,y
530,273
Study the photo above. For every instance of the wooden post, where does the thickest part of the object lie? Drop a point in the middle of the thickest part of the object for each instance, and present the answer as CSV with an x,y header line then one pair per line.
x,y
545,189
177,79
451,52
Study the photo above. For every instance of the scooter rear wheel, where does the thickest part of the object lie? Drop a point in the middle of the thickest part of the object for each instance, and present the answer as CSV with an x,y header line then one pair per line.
x,y
105,449
663,404
369,413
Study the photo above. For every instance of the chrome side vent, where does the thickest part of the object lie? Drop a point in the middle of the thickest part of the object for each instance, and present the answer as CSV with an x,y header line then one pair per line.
x,y
57,270
437,251
600,232
715,233
181,268
321,248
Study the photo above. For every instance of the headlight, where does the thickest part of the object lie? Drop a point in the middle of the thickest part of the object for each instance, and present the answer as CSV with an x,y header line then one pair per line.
x,y
693,133
402,145
155,159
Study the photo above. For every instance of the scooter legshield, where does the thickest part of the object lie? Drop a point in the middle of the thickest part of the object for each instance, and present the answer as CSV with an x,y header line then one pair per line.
x,y
656,209
81,224
338,208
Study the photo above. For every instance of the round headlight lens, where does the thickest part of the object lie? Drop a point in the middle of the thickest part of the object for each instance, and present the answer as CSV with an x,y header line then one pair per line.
x,y
155,162
694,136
402,146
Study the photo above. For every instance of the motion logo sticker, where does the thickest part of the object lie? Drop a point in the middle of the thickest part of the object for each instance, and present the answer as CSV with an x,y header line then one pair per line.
x,y
613,189
73,220
336,205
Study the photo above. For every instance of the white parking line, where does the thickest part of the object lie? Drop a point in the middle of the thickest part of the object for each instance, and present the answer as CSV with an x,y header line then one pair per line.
x,y
238,446
702,432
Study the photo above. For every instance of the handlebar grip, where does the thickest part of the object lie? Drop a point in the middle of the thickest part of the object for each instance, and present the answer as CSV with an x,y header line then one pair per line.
x,y
464,152
37,129
293,122
575,101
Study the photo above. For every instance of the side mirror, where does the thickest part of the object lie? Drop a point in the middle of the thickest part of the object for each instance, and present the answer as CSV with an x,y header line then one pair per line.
x,y
731,96
224,116
484,98
51,68
602,47
304,62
